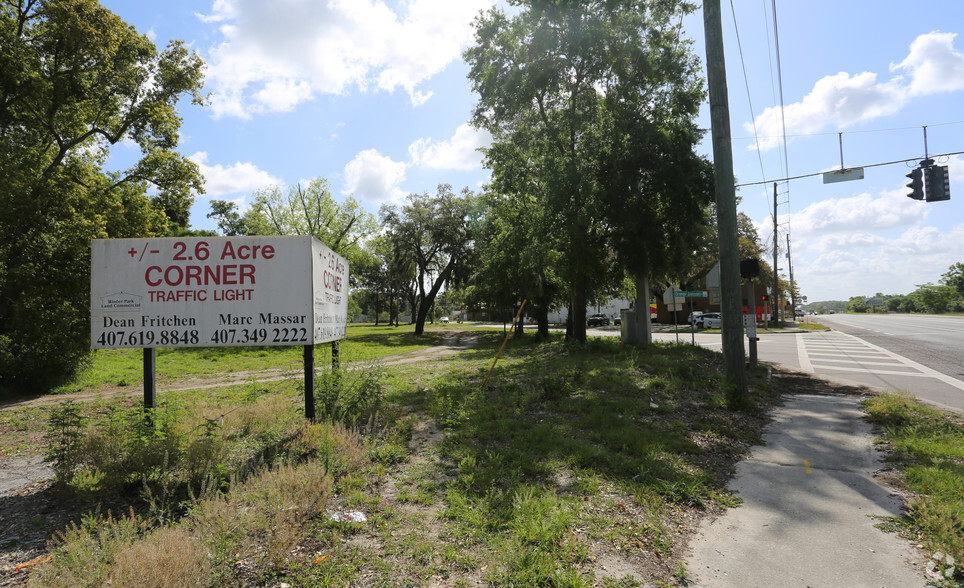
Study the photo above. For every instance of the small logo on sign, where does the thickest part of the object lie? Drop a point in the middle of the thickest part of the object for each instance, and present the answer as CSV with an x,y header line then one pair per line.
x,y
121,301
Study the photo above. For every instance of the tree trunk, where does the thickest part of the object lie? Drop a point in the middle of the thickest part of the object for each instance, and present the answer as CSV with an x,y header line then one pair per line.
x,y
429,299
578,311
644,328
519,326
542,317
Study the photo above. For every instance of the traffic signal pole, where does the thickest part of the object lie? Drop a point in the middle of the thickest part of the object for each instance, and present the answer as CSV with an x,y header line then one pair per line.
x,y
732,303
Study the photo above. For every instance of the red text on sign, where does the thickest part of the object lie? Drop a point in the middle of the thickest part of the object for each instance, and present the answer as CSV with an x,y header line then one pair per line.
x,y
197,275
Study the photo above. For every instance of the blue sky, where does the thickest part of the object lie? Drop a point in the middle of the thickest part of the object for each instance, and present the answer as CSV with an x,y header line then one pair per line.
x,y
372,95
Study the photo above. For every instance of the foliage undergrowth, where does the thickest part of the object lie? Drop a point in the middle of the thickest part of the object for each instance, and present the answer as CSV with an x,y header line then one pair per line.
x,y
928,447
569,450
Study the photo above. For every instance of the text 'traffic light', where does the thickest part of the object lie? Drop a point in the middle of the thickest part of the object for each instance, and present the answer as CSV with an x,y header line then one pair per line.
x,y
938,186
916,184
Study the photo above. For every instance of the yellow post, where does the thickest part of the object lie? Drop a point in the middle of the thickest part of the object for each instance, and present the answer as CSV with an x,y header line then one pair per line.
x,y
486,381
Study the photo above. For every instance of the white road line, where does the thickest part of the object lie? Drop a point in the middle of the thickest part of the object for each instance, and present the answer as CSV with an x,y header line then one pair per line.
x,y
923,368
852,355
883,363
802,356
877,372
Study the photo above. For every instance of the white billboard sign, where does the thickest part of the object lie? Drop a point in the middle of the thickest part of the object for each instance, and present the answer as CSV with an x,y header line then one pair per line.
x,y
216,292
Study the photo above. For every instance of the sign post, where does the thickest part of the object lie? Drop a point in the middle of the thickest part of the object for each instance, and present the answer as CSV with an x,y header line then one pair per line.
x,y
751,325
216,292
691,294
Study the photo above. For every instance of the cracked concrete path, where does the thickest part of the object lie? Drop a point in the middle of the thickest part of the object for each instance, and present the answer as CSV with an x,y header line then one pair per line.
x,y
810,499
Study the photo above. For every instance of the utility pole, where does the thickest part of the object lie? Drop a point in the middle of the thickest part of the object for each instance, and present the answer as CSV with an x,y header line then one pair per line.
x,y
732,303
775,298
793,294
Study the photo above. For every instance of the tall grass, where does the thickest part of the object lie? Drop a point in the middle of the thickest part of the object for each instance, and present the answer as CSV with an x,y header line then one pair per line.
x,y
928,446
568,450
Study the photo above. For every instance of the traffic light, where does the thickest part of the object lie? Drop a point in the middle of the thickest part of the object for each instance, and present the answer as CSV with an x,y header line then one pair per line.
x,y
916,184
763,298
749,268
938,186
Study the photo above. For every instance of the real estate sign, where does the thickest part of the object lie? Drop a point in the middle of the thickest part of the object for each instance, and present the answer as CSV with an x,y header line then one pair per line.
x,y
216,292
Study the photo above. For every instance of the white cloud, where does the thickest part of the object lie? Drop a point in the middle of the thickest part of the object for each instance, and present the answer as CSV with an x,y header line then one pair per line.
x,y
240,177
933,64
275,56
461,152
374,177
846,218
896,266
842,100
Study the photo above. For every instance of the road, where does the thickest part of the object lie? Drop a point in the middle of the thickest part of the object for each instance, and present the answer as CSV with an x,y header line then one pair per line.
x,y
923,355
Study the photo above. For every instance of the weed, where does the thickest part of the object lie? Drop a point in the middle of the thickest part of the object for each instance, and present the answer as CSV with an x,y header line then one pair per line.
x,y
349,397
84,553
682,576
929,446
63,439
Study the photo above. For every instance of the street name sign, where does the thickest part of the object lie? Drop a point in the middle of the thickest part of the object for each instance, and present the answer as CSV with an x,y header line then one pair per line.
x,y
216,292
843,175
690,294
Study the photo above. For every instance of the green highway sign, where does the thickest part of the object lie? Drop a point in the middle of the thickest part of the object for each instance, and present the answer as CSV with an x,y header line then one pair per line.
x,y
691,293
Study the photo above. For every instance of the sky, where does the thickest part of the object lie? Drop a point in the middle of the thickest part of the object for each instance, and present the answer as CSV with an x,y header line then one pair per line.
x,y
373,96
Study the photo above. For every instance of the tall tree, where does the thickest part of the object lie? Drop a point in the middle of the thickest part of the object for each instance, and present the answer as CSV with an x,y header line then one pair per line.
x,y
311,210
519,261
955,277
438,231
591,107
75,80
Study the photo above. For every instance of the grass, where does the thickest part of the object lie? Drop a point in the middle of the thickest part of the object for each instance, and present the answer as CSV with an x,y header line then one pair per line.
x,y
570,457
927,445
812,327
124,367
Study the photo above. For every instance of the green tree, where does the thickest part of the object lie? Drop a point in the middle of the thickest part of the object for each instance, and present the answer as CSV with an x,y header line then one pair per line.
x,y
311,210
438,232
955,277
75,80
591,107
520,260
934,299
857,304
230,221
387,275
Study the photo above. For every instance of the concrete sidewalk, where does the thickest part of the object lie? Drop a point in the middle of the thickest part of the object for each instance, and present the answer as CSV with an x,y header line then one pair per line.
x,y
806,521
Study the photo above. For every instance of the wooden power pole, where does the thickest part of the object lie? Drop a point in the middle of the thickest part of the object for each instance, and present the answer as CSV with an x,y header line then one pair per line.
x,y
732,307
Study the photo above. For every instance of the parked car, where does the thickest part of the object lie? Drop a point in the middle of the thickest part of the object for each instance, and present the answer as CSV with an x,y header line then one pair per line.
x,y
709,320
694,317
597,320
444,319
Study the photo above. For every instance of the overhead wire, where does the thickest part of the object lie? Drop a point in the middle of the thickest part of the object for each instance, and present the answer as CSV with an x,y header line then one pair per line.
x,y
783,120
746,83
800,177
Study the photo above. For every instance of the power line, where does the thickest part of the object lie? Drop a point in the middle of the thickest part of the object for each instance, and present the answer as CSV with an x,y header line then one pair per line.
x,y
912,159
838,133
746,83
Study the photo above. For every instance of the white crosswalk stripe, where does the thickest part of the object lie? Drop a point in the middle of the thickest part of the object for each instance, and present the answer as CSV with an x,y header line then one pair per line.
x,y
839,352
